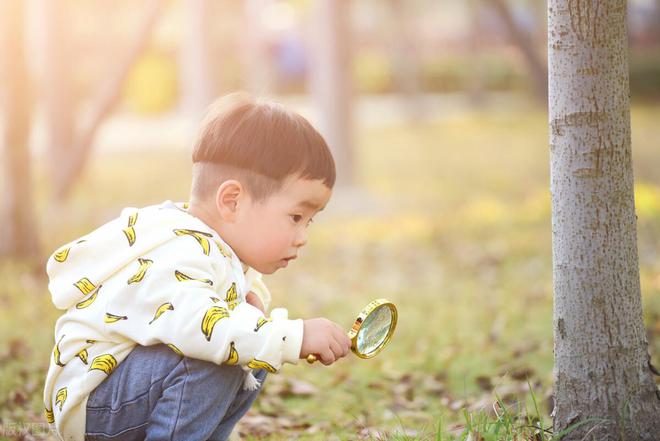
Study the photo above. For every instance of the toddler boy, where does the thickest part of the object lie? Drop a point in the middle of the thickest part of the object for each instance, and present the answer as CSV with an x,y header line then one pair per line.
x,y
164,334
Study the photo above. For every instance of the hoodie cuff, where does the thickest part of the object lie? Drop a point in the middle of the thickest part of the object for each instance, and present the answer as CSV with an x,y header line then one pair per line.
x,y
293,342
292,335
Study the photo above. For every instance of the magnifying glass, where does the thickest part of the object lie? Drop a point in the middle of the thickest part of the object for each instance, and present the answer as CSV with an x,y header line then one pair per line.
x,y
372,329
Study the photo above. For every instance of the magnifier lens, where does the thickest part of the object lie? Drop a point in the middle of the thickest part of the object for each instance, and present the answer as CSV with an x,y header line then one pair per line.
x,y
374,330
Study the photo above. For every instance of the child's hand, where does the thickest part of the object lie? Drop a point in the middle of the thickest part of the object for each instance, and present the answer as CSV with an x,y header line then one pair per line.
x,y
324,339
255,301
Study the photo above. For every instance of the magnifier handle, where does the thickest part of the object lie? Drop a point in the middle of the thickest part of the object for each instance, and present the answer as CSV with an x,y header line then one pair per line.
x,y
311,358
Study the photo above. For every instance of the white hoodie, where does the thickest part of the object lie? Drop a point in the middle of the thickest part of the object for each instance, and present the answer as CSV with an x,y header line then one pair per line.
x,y
153,275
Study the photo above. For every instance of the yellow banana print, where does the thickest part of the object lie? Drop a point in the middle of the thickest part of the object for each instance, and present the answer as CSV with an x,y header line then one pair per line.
x,y
185,205
200,236
161,310
85,286
130,235
212,316
83,355
233,355
61,256
129,231
231,297
175,349
144,266
85,303
56,352
105,363
111,318
50,417
60,397
258,364
183,278
223,250
90,341
262,321
215,299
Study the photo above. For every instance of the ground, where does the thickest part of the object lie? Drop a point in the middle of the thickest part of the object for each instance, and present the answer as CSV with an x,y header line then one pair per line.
x,y
449,218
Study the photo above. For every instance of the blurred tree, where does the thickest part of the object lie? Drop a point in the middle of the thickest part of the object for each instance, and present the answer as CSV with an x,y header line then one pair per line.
x,y
536,64
404,55
330,82
603,375
476,74
256,57
196,79
69,145
18,235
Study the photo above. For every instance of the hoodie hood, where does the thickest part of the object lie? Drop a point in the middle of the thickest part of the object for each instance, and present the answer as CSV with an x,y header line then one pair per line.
x,y
81,266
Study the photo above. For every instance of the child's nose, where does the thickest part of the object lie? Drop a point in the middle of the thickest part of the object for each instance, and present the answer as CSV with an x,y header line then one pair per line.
x,y
301,239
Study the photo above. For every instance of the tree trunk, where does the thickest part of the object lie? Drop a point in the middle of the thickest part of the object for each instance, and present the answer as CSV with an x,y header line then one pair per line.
x,y
330,82
18,235
56,88
602,376
196,84
108,96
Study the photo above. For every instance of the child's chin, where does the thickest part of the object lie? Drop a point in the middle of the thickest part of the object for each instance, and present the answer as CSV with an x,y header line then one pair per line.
x,y
268,269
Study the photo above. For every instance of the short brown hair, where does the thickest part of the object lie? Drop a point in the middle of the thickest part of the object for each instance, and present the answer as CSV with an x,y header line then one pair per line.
x,y
259,143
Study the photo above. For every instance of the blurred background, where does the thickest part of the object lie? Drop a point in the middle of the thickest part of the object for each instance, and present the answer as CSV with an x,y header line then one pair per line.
x,y
436,113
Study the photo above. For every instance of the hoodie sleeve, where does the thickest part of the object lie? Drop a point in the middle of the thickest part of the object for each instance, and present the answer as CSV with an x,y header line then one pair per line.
x,y
179,296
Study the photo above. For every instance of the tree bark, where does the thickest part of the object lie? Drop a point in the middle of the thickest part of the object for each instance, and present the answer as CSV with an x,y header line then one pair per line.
x,y
18,235
330,82
602,375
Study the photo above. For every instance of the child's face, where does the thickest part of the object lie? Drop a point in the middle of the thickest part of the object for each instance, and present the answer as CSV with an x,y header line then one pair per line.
x,y
269,233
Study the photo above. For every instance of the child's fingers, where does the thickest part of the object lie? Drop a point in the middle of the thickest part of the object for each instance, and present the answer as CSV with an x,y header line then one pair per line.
x,y
342,349
337,349
327,357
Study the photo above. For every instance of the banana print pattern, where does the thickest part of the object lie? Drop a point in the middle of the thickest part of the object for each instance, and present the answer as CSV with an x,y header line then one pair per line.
x,y
62,255
212,316
233,355
56,353
111,318
232,297
258,364
85,286
215,299
50,417
91,341
181,277
129,231
142,271
176,350
200,237
105,363
85,303
161,310
262,321
222,249
60,397
83,355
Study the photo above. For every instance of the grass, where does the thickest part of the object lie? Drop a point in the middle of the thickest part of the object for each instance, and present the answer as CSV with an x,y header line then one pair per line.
x,y
451,222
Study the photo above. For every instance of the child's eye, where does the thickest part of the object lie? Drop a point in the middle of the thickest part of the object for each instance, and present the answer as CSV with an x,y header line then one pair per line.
x,y
296,218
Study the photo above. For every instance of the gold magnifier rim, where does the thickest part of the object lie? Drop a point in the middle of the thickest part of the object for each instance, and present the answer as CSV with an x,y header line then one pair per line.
x,y
366,311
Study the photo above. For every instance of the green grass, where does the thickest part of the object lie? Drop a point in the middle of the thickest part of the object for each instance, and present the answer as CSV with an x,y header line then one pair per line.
x,y
452,224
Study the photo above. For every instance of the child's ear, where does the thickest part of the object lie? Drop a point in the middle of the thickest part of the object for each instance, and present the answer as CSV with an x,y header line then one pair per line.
x,y
227,199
